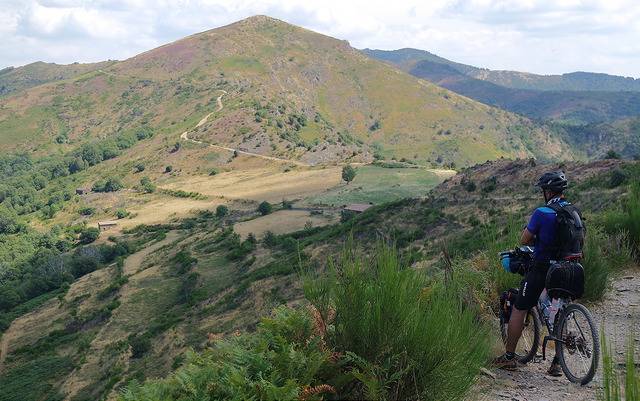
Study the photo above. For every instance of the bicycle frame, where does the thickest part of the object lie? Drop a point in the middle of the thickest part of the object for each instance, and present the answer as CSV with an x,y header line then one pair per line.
x,y
550,329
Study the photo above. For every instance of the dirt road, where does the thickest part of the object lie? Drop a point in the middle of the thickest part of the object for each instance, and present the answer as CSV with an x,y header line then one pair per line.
x,y
620,314
185,136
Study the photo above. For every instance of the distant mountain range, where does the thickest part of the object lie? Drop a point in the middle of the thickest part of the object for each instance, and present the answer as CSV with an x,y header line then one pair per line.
x,y
574,81
592,112
575,98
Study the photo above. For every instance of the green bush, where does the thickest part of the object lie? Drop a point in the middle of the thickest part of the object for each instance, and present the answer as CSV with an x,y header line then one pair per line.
x,y
405,337
626,218
108,185
87,211
121,213
88,235
222,211
278,362
265,208
147,186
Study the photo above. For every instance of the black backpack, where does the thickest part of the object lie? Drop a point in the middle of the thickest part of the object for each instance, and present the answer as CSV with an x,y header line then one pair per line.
x,y
570,231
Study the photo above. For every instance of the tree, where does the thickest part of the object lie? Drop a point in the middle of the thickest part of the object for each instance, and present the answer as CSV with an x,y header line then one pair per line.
x,y
612,154
168,169
222,211
265,208
348,173
8,221
147,186
88,235
139,167
121,213
287,205
109,185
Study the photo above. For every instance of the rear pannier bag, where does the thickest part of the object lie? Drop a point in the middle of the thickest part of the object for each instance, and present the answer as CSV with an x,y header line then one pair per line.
x,y
507,299
565,279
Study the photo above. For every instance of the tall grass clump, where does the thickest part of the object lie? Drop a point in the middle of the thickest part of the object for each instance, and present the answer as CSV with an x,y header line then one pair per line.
x,y
626,218
604,255
613,388
404,337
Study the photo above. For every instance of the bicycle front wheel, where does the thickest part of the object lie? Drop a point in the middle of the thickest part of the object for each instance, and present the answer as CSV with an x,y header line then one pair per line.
x,y
579,348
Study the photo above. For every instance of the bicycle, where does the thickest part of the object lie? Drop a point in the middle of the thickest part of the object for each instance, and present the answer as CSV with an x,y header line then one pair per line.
x,y
573,332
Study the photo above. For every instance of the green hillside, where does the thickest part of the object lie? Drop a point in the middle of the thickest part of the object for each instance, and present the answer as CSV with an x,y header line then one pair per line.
x,y
611,99
17,79
291,93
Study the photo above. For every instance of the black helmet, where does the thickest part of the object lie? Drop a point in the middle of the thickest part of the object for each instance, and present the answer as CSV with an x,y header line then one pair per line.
x,y
554,181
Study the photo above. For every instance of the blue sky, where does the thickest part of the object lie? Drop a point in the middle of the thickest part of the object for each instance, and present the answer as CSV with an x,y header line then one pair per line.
x,y
546,37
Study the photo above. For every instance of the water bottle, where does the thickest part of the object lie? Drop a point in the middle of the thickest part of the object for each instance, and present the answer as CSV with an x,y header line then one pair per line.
x,y
545,305
553,309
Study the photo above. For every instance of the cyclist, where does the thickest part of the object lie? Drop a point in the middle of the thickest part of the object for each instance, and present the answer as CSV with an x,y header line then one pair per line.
x,y
541,233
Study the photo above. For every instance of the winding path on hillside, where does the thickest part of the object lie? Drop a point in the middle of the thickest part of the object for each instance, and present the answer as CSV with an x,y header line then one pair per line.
x,y
185,136
620,314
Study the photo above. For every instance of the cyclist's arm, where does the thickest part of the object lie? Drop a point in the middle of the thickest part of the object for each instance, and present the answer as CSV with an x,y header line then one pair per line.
x,y
527,237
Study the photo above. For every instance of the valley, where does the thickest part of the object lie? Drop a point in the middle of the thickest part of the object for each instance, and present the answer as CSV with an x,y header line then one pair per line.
x,y
210,218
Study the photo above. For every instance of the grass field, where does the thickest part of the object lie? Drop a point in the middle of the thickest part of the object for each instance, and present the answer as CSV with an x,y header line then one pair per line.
x,y
380,185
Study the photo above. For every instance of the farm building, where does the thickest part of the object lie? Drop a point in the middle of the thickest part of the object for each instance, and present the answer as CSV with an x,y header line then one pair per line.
x,y
348,211
82,191
106,225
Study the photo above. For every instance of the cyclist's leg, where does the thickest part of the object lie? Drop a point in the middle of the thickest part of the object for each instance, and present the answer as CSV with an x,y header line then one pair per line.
x,y
530,290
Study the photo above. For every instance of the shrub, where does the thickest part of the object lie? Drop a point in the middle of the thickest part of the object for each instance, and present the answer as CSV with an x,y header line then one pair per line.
x,y
222,211
168,169
140,345
88,235
348,173
87,211
612,154
140,167
390,321
108,185
265,208
282,359
121,213
287,205
147,186
627,218
270,240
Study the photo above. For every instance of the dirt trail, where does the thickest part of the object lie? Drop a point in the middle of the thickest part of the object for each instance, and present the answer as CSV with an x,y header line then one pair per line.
x,y
185,136
620,314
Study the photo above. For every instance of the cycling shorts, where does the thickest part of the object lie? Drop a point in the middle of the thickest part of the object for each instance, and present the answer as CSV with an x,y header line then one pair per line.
x,y
531,286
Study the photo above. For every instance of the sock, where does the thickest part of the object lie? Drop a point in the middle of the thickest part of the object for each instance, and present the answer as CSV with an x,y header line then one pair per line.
x,y
510,355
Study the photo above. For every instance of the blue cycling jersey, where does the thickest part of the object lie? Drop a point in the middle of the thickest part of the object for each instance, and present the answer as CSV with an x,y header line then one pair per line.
x,y
543,225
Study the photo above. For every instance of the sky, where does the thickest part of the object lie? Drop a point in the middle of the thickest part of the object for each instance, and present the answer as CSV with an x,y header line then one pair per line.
x,y
545,37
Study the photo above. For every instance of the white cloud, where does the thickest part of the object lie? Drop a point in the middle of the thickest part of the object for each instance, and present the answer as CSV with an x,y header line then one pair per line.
x,y
528,35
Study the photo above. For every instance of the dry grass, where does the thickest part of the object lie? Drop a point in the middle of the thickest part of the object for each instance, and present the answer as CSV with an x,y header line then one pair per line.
x,y
282,222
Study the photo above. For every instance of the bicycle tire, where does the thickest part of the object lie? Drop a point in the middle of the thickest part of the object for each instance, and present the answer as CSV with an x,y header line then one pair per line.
x,y
534,319
561,348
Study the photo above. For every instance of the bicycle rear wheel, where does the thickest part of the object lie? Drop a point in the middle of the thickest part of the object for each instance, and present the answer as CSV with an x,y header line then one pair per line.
x,y
529,341
579,350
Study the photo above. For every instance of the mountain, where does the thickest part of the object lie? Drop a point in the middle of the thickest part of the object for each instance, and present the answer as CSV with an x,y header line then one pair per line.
x,y
574,81
16,79
576,104
291,93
